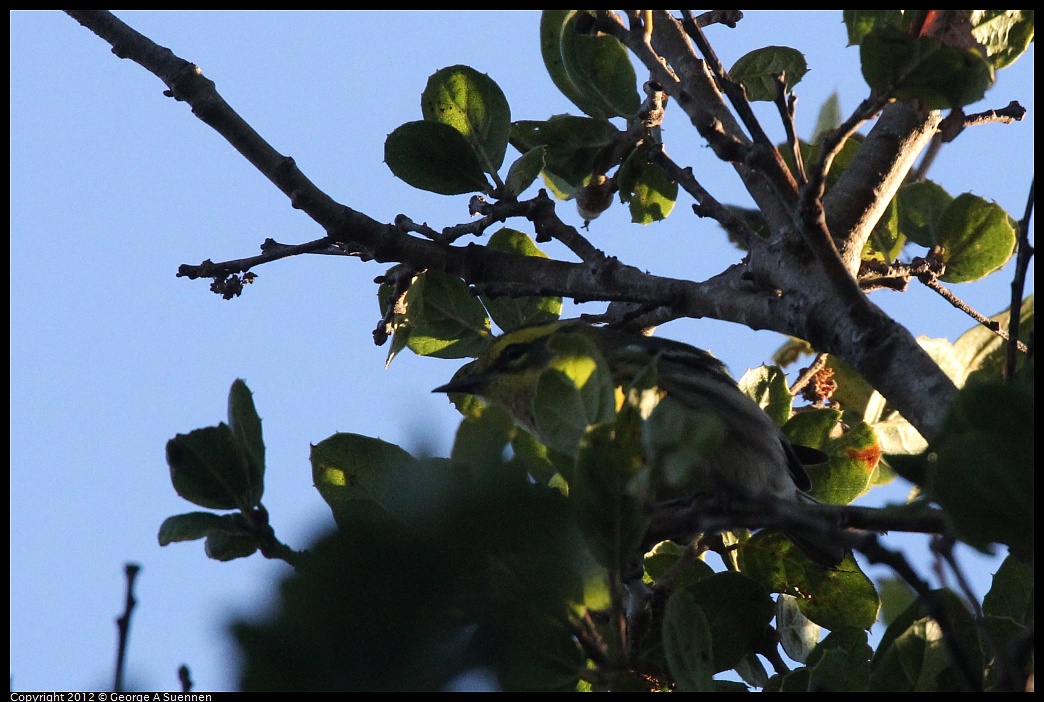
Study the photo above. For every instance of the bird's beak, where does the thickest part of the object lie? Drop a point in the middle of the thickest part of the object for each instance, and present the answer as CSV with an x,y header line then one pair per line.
x,y
471,384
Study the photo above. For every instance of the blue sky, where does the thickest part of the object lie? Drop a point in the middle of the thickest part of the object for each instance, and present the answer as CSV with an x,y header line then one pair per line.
x,y
114,185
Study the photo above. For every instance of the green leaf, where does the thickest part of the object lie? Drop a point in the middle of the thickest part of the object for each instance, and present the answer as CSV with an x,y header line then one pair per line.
x,y
896,596
482,437
767,385
646,188
795,681
687,644
435,157
759,70
920,208
474,105
737,610
751,671
532,457
828,119
1009,606
558,186
524,171
812,427
224,546
981,468
552,24
195,525
862,22
885,242
513,312
797,634
536,653
358,476
841,662
445,320
984,353
668,555
678,439
854,457
976,237
834,598
600,68
1006,34
208,468
227,537
810,155
577,147
246,428
898,65
912,655
575,392
612,521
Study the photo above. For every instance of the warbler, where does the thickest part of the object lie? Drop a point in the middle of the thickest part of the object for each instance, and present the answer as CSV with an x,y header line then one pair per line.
x,y
748,455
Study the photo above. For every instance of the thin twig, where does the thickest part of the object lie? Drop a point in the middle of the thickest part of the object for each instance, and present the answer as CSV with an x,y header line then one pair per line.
x,y
876,553
843,522
510,290
589,638
408,225
706,204
185,678
548,226
811,216
943,546
811,222
727,17
875,275
733,91
270,251
832,142
786,107
932,283
772,162
269,545
131,571
1018,283
401,279
818,363
606,279
1012,112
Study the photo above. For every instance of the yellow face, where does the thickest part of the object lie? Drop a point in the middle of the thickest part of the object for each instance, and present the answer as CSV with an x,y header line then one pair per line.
x,y
509,371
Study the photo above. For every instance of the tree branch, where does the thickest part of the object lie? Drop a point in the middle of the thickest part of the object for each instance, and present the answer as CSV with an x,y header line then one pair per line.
x,y
131,571
778,292
857,200
671,61
1018,283
932,283
706,205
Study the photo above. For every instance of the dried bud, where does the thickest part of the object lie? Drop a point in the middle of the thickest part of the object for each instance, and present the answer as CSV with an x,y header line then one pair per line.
x,y
594,198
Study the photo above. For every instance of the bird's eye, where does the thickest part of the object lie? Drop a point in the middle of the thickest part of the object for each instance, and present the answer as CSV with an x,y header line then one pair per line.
x,y
514,353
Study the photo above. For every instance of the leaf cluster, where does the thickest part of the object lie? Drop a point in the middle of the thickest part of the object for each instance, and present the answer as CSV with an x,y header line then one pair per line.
x,y
535,559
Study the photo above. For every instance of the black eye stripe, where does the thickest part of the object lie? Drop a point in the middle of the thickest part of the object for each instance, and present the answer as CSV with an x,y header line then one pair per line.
x,y
514,352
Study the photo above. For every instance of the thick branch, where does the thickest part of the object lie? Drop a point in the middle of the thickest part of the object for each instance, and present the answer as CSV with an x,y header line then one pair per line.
x,y
883,351
858,199
688,81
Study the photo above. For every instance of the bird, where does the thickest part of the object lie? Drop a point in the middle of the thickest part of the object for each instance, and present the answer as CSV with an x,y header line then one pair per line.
x,y
738,450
